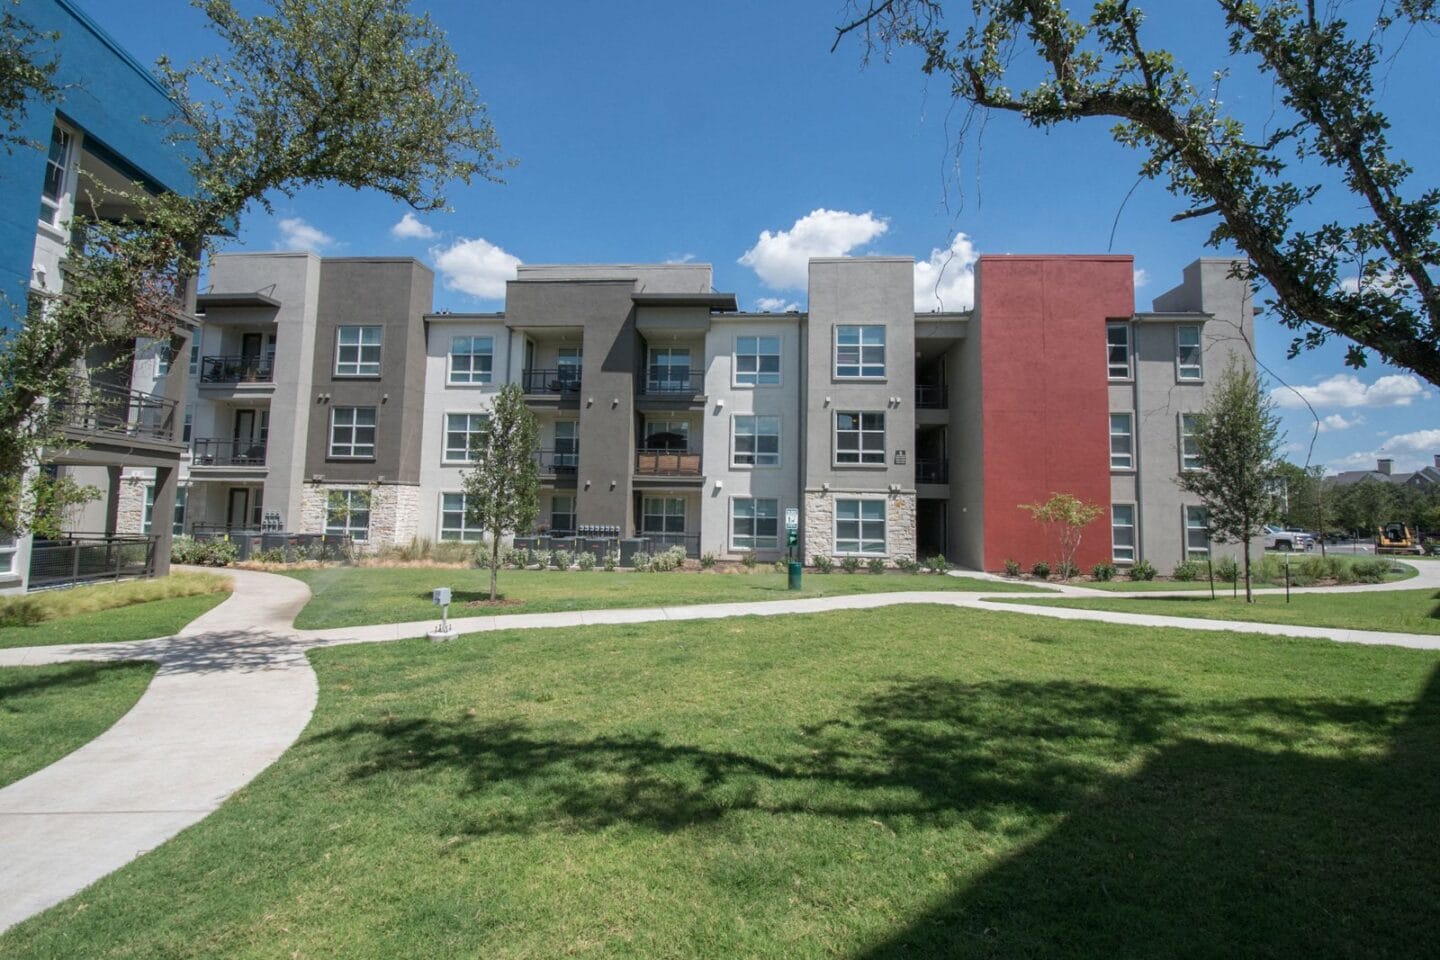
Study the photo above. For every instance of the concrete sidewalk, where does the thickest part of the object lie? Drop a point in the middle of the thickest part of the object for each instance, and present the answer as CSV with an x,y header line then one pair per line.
x,y
234,690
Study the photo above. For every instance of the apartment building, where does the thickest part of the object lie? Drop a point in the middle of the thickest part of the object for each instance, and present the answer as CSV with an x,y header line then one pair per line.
x,y
122,410
328,398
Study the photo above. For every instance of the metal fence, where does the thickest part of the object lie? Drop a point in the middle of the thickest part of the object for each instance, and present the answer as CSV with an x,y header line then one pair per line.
x,y
87,558
106,408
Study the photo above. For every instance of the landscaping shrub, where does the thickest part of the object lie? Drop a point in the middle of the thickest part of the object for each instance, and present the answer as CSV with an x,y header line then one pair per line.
x,y
612,560
875,565
936,563
1227,569
21,612
273,555
1344,574
748,559
823,564
781,567
1144,570
641,562
534,558
1066,570
1012,568
850,564
667,560
1186,571
1268,568
707,560
908,564
1041,569
560,559
1104,572
585,560
458,551
1372,569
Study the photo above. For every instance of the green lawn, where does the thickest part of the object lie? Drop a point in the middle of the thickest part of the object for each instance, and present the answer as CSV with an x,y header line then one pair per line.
x,y
1405,611
141,621
352,596
46,712
1126,585
907,782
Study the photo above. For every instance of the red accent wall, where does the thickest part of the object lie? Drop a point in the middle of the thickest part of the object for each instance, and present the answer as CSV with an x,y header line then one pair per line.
x,y
1045,396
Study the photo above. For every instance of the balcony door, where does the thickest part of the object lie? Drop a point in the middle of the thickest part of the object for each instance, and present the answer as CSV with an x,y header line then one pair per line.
x,y
237,516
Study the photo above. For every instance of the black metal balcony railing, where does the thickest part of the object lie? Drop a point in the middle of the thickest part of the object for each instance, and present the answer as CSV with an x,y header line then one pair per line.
x,y
105,408
558,382
672,386
559,462
932,471
243,369
227,452
667,463
86,557
931,396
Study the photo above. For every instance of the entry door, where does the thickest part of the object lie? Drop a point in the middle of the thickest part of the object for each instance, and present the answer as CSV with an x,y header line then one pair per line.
x,y
250,345
238,515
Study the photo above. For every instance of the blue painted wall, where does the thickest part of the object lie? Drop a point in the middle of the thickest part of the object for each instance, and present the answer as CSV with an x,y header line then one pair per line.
x,y
107,95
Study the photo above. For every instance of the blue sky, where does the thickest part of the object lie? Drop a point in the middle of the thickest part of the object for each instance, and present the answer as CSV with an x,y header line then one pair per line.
x,y
728,133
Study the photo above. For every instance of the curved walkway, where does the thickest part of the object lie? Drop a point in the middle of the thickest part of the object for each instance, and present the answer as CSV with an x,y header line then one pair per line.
x,y
234,690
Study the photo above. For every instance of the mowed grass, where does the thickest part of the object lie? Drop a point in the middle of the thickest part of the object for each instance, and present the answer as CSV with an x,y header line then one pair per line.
x,y
112,612
49,711
352,596
1273,566
907,782
1403,611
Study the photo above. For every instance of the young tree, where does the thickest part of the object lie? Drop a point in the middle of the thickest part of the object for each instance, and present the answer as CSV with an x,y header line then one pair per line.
x,y
1303,499
361,93
1068,516
1238,438
1369,274
501,492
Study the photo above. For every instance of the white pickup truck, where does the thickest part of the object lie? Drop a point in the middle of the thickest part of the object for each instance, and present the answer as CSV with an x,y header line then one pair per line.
x,y
1278,538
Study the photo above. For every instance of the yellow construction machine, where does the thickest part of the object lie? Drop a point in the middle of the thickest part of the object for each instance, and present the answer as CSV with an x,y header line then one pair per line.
x,y
1396,538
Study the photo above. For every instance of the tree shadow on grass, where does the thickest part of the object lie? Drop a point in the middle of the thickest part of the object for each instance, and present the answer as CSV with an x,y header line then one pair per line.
x,y
23,681
1261,827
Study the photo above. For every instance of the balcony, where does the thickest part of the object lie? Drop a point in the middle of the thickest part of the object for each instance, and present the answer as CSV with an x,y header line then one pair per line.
x,y
104,408
227,452
667,463
241,369
675,386
560,464
931,396
932,471
564,382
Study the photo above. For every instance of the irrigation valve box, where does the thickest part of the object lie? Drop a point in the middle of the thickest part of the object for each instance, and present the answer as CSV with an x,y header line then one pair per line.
x,y
441,596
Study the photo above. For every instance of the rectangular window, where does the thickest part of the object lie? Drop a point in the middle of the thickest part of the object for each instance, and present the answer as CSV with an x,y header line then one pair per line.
x,y
662,515
57,162
669,370
1189,449
1187,353
859,437
757,442
667,435
754,524
177,522
357,352
860,526
194,359
1117,343
347,514
352,432
757,361
1122,442
7,552
860,351
147,520
189,426
164,352
568,362
567,444
453,525
147,517
464,433
1122,532
472,359
562,514
1197,533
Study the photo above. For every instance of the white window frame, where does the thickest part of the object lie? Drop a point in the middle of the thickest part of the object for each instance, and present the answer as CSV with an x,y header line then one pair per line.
x,y
463,533
347,526
53,209
9,547
360,366
1122,460
570,501
147,518
194,358
472,354
858,367
665,514
862,457
1195,520
754,346
1118,549
467,427
668,382
755,457
352,449
860,540
1189,372
740,543
1110,365
1189,461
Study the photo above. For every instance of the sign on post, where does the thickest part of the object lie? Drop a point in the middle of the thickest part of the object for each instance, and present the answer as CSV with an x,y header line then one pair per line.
x,y
792,519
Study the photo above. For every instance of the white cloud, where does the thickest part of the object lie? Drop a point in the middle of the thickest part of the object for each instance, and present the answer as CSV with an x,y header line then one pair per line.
x,y
296,234
1141,278
680,258
410,228
1337,421
1348,390
775,305
781,259
476,267
947,280
1424,442
1410,451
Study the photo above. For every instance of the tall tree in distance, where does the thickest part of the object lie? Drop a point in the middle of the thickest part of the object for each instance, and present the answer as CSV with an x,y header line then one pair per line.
x,y
502,491
1367,272
1238,438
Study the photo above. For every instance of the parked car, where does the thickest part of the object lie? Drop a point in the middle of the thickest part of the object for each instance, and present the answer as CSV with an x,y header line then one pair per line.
x,y
1278,538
